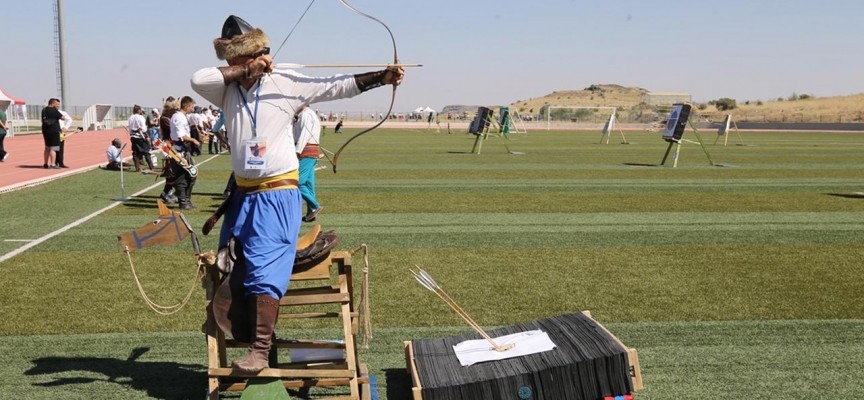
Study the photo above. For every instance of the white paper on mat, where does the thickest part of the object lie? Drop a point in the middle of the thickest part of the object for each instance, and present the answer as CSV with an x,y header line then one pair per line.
x,y
471,352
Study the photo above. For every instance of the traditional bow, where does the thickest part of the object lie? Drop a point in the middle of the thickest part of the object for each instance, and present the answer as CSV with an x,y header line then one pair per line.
x,y
392,98
335,158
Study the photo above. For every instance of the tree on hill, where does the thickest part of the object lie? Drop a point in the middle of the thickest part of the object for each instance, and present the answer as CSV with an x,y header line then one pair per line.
x,y
725,104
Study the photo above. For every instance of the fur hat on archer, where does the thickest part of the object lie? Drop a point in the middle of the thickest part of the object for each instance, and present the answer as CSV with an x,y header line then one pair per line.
x,y
238,39
171,103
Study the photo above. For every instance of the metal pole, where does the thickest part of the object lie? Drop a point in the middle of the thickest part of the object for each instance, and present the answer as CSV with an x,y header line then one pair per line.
x,y
122,183
64,69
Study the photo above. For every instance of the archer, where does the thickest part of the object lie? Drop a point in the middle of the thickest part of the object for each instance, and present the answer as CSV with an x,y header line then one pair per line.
x,y
263,220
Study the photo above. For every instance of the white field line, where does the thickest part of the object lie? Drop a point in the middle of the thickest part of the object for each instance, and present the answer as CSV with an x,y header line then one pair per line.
x,y
18,240
82,220
51,178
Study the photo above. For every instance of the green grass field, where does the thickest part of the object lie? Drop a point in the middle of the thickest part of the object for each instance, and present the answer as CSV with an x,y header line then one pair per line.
x,y
735,282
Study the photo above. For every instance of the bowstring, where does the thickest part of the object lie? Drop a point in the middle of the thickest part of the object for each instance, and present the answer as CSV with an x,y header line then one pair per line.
x,y
295,27
335,158
278,88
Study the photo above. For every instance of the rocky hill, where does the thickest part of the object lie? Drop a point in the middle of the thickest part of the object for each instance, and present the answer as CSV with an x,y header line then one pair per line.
x,y
628,101
606,95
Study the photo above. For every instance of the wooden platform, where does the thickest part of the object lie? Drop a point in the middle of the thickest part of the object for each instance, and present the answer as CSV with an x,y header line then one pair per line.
x,y
336,289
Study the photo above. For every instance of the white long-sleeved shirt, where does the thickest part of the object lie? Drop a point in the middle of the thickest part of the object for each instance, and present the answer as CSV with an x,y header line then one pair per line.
x,y
113,154
195,120
282,93
137,125
65,123
307,130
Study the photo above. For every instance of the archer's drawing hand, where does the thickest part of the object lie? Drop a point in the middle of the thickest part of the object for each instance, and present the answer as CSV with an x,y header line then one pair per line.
x,y
260,66
394,76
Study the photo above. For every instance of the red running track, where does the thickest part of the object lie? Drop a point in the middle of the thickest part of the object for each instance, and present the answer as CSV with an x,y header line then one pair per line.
x,y
83,151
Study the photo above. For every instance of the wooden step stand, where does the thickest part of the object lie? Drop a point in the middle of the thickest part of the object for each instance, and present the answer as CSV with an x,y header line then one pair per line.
x,y
299,375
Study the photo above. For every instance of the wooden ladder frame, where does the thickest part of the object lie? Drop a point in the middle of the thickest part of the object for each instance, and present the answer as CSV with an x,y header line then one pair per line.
x,y
302,375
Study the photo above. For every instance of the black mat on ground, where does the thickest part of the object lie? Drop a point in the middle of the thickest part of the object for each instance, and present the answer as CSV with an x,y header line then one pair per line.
x,y
587,363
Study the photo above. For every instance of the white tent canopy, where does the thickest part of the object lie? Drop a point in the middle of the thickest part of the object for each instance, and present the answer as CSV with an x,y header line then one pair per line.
x,y
423,110
8,102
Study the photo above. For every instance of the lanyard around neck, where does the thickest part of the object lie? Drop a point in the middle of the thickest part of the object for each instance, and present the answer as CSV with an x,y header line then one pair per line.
x,y
252,115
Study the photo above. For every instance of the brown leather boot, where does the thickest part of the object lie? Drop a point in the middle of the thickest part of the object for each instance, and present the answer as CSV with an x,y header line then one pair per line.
x,y
263,311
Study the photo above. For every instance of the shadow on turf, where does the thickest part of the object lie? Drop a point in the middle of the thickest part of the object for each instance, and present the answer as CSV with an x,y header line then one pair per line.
x,y
398,384
159,379
847,195
641,165
149,202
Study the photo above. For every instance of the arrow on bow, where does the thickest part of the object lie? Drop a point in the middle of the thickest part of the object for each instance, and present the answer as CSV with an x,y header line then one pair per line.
x,y
297,66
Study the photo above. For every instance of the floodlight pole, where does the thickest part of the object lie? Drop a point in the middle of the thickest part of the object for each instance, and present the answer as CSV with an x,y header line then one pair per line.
x,y
61,44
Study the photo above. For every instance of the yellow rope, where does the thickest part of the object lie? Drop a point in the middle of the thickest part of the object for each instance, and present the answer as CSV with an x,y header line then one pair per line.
x,y
159,309
365,304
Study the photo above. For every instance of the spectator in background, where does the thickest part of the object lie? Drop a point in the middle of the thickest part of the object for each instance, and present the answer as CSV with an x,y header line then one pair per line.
x,y
153,127
196,126
65,132
115,157
214,138
181,138
169,108
307,136
206,125
4,127
51,118
137,126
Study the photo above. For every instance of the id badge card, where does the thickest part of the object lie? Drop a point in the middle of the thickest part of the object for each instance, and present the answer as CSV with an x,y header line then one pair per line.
x,y
256,153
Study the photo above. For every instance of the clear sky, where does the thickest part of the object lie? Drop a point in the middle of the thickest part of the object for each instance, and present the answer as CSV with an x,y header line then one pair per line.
x,y
474,51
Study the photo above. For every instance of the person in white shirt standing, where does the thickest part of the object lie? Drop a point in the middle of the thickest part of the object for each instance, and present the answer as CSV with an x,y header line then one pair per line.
x,y
213,139
65,125
307,134
180,136
196,127
263,219
137,126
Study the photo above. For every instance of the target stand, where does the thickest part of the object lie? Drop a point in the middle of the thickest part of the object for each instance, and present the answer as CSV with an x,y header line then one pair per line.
x,y
679,119
610,126
724,130
480,128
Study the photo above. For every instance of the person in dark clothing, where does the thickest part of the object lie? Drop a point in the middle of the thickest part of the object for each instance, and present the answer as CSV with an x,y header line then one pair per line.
x,y
182,141
169,108
51,118
4,127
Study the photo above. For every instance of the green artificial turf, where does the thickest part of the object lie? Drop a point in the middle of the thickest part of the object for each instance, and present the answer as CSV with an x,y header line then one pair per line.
x,y
679,360
698,267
